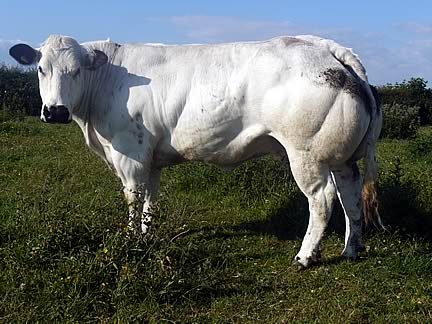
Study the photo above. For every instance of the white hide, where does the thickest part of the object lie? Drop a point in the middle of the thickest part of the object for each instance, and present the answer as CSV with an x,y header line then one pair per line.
x,y
153,106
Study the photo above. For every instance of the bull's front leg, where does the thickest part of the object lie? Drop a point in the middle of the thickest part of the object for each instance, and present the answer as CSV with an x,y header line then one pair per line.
x,y
140,186
141,194
150,197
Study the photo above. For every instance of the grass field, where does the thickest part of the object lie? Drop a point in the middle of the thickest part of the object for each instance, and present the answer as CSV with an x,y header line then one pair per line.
x,y
222,245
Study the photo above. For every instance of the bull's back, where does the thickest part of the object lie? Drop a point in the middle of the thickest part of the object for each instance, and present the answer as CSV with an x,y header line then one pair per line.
x,y
217,102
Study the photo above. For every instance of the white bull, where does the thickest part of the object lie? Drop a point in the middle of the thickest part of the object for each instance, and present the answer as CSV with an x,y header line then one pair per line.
x,y
142,107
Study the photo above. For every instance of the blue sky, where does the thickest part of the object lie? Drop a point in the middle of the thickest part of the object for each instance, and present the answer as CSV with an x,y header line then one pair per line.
x,y
393,38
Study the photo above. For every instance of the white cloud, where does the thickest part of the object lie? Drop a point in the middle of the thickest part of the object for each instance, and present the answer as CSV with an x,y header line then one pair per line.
x,y
220,28
414,27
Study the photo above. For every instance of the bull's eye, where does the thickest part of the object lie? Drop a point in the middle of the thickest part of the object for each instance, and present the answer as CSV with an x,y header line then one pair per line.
x,y
40,70
76,73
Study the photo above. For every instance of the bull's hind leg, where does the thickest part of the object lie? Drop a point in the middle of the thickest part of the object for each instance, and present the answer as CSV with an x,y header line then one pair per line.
x,y
348,183
315,181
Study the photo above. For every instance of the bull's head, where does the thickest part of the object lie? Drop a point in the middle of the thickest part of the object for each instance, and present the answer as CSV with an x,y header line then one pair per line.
x,y
60,63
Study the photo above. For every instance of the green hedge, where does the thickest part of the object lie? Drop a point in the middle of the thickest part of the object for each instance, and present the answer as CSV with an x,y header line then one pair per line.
x,y
19,91
400,121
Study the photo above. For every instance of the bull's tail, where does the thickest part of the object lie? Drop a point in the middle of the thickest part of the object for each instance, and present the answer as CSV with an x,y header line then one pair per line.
x,y
352,62
369,193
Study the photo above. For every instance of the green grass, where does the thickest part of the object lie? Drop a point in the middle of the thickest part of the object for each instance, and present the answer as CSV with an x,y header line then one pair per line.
x,y
221,249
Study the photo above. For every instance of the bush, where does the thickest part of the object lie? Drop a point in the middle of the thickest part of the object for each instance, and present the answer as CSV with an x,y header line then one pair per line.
x,y
400,121
421,145
413,92
19,91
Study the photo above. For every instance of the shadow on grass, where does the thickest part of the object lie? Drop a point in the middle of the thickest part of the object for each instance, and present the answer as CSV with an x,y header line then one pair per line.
x,y
287,223
399,208
402,210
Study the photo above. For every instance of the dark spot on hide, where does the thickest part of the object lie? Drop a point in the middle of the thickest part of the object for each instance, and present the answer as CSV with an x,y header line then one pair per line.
x,y
339,79
335,78
120,88
138,126
288,41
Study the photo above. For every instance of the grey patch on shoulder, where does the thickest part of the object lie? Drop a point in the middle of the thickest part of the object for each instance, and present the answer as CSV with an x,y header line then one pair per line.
x,y
340,79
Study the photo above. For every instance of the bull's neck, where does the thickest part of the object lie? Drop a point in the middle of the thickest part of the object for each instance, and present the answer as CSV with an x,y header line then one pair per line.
x,y
96,85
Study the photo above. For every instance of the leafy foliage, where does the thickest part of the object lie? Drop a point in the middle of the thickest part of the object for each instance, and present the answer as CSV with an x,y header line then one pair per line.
x,y
421,146
19,93
400,121
411,93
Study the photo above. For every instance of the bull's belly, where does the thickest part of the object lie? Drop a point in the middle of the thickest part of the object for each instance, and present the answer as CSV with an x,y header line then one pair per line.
x,y
220,150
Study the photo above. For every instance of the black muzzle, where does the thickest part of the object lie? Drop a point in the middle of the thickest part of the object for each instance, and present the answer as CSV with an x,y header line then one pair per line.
x,y
56,114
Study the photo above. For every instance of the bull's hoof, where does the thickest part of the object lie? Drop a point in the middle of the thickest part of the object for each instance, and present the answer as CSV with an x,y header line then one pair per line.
x,y
351,259
351,252
350,255
306,262
300,267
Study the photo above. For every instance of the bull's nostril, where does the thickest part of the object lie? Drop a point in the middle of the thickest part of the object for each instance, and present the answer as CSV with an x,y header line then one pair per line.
x,y
56,114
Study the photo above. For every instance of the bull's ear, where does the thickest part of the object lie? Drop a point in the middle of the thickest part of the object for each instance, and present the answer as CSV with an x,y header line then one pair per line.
x,y
25,54
95,59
